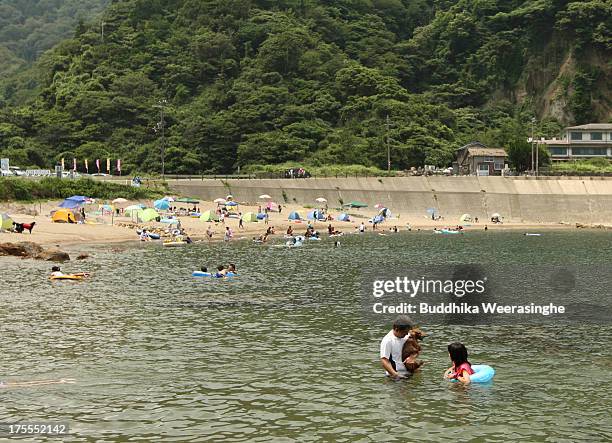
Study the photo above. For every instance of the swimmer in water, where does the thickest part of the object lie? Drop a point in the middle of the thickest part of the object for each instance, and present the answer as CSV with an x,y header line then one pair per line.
x,y
56,272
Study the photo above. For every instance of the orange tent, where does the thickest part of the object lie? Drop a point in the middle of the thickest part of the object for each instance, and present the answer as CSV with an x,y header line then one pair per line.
x,y
63,216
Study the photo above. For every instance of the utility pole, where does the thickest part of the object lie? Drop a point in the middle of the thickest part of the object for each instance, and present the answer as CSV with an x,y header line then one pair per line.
x,y
388,125
160,128
532,141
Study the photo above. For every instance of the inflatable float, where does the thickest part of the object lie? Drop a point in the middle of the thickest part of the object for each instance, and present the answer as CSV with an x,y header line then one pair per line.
x,y
445,231
208,274
79,276
482,374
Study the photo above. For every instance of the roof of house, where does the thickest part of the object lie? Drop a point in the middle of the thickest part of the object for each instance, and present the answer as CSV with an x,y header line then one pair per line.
x,y
487,152
593,126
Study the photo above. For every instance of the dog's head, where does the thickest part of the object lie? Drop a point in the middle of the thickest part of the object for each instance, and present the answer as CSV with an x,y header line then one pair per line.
x,y
417,334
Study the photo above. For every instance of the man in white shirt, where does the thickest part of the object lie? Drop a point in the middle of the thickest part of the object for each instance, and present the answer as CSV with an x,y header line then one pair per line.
x,y
391,347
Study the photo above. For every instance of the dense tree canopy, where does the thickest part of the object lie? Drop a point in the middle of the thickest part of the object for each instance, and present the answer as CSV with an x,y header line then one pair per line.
x,y
311,81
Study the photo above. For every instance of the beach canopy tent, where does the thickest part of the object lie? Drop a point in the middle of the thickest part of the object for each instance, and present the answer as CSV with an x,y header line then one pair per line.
x,y
344,217
249,217
71,203
148,215
161,205
294,216
220,201
209,216
356,204
318,215
119,200
64,215
265,197
193,201
6,222
465,218
271,206
377,219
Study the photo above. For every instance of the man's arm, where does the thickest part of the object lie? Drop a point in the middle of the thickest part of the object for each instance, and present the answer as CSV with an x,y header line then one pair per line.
x,y
389,367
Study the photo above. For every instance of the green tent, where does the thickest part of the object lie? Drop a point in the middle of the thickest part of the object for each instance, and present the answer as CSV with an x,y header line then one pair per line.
x,y
355,204
209,216
249,217
187,200
148,215
6,222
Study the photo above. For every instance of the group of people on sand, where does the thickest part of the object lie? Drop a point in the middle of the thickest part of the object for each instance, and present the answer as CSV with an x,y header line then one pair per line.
x,y
399,350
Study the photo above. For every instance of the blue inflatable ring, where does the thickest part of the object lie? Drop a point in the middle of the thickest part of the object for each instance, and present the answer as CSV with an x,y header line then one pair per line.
x,y
208,274
482,374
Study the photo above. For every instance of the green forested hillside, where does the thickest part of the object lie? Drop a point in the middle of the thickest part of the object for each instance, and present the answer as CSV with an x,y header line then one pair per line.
x,y
30,27
312,81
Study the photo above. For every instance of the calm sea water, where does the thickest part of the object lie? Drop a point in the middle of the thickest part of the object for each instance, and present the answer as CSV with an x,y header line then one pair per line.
x,y
284,353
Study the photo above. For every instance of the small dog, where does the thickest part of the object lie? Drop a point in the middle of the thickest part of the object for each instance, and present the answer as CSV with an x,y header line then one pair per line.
x,y
412,349
20,227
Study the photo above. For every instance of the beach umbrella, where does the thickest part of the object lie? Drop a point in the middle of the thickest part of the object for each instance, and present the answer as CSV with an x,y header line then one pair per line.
x,y
220,201
231,204
71,204
119,200
271,206
265,197
161,205
209,216
6,222
168,198
379,206
465,218
79,198
229,197
496,215
321,200
249,217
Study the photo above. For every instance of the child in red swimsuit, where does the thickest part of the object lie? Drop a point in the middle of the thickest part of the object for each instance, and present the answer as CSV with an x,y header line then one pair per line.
x,y
461,368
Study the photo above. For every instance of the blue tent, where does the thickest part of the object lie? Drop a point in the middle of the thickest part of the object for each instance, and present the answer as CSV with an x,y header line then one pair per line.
x,y
70,204
344,217
261,216
161,204
378,219
294,216
79,198
315,215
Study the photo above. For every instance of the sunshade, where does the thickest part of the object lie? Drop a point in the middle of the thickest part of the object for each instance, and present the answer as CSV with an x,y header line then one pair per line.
x,y
161,205
119,200
209,216
79,198
229,197
272,206
148,215
265,197
168,198
187,200
6,222
249,217
497,214
321,200
231,204
71,204
219,200
465,218
294,216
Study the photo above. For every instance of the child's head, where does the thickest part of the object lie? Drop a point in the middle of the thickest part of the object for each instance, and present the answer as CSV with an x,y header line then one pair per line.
x,y
204,269
220,268
458,353
55,269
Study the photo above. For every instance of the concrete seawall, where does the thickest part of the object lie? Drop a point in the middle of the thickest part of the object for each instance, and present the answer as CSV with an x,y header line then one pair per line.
x,y
517,199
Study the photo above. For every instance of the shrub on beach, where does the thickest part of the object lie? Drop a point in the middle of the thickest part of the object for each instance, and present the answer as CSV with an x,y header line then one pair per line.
x,y
52,188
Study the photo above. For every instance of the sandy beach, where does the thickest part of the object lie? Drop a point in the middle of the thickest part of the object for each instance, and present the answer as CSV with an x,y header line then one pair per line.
x,y
106,229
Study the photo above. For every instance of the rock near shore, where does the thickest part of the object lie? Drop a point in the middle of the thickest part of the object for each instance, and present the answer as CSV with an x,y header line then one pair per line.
x,y
33,250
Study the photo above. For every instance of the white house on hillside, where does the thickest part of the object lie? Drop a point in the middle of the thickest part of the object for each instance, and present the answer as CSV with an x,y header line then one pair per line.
x,y
584,141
